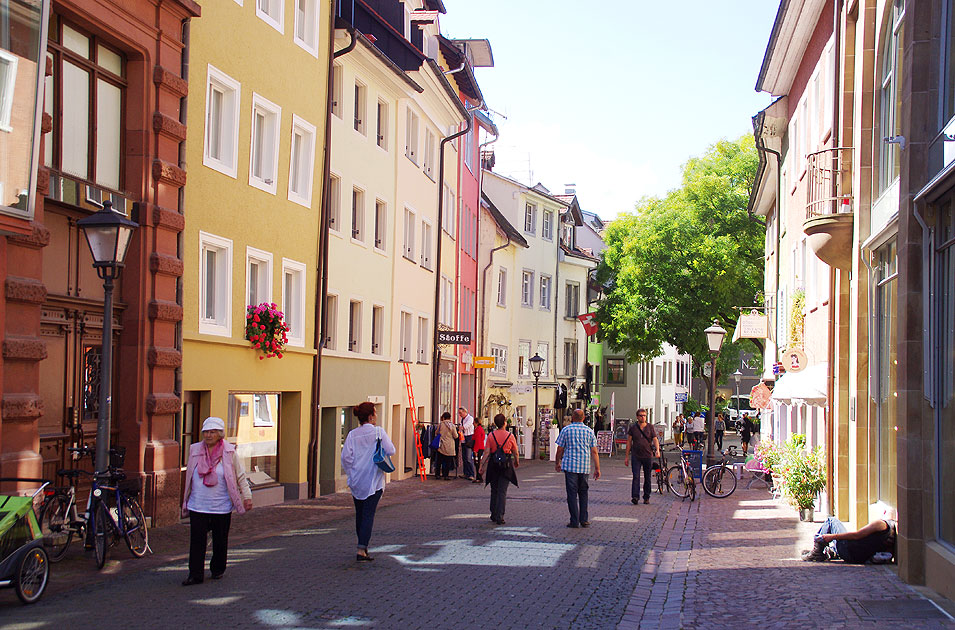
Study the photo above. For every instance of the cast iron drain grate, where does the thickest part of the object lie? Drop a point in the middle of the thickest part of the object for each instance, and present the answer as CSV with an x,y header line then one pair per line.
x,y
901,609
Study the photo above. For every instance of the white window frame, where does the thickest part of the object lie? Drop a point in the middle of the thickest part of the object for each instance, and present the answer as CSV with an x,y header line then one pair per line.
x,y
500,359
273,118
428,166
502,286
356,228
446,301
9,79
377,329
355,308
305,171
307,14
567,293
331,321
337,89
449,215
543,349
527,288
406,332
259,256
571,343
380,235
360,103
296,337
427,236
274,16
411,136
335,203
547,225
381,125
524,358
221,324
530,212
410,227
545,300
228,127
424,340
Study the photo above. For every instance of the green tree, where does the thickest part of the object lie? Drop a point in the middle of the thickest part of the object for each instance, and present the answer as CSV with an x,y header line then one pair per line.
x,y
677,263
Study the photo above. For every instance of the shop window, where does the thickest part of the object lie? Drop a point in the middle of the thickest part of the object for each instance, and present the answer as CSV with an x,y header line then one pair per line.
x,y
254,430
887,363
945,371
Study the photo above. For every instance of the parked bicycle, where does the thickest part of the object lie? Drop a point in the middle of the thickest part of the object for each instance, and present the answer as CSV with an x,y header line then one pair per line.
x,y
680,480
720,480
661,473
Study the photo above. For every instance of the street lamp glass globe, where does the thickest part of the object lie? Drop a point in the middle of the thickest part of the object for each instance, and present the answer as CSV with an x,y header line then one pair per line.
x,y
537,364
737,375
108,234
714,337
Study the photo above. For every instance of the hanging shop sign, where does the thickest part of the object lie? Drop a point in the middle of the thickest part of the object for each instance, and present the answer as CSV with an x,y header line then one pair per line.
x,y
484,362
755,325
795,360
456,337
759,396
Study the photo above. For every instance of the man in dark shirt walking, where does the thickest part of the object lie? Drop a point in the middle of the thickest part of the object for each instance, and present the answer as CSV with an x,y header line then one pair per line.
x,y
642,447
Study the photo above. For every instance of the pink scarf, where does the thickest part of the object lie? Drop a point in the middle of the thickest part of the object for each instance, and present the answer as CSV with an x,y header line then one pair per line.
x,y
207,465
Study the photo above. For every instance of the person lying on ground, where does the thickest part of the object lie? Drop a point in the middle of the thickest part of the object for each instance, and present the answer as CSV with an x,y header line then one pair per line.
x,y
834,540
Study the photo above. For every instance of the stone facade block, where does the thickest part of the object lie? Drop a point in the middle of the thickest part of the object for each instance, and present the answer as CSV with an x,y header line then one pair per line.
x,y
25,290
169,173
164,357
170,219
165,264
165,311
171,81
21,406
159,404
16,348
38,238
169,126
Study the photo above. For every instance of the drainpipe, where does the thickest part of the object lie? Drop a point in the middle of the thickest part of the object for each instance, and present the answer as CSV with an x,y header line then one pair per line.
x,y
435,354
487,267
448,73
321,290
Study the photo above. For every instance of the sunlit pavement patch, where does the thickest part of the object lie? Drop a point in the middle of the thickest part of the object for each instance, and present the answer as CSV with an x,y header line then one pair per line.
x,y
216,601
309,532
277,618
496,553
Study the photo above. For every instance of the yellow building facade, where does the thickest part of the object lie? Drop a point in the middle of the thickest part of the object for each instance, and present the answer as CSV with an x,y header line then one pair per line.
x,y
252,229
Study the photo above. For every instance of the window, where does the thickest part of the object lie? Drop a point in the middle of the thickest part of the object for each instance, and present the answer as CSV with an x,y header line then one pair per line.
x,y
543,349
567,234
449,211
381,125
943,312
890,96
446,301
500,360
337,90
358,214
272,13
253,427
502,287
334,203
381,224
306,25
469,149
424,334
530,218
547,228
331,322
354,326
570,357
523,358
377,329
405,332
886,387
409,234
87,135
258,280
301,162
411,137
215,285
429,153
527,288
264,155
8,79
572,297
293,300
545,292
426,238
360,111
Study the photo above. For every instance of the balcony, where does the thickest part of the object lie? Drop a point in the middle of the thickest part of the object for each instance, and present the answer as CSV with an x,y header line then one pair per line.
x,y
829,219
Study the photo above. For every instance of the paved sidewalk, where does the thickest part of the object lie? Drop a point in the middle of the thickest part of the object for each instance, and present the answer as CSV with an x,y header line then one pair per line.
x,y
735,562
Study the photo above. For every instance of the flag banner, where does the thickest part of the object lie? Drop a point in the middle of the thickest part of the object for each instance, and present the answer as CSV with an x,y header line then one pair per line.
x,y
589,322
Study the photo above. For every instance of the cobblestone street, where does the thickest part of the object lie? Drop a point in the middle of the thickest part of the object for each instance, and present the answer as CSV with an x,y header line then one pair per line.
x,y
442,564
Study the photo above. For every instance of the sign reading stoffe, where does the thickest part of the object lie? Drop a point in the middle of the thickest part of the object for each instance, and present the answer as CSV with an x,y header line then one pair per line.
x,y
458,337
484,362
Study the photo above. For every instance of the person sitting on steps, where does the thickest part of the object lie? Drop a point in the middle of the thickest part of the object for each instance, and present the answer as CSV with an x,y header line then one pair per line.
x,y
834,540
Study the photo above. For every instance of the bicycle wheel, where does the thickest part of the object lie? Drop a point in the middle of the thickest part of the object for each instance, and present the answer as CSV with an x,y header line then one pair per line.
x,y
101,533
676,481
691,488
134,522
661,481
32,574
55,525
719,482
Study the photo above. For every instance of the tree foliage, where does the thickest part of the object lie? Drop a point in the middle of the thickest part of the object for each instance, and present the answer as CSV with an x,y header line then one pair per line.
x,y
677,263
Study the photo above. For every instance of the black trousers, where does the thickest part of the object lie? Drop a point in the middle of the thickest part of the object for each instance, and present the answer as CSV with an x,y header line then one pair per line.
x,y
448,463
719,440
200,524
498,497
636,464
477,464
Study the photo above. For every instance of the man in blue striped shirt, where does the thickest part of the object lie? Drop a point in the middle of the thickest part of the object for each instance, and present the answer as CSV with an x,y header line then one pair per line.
x,y
576,446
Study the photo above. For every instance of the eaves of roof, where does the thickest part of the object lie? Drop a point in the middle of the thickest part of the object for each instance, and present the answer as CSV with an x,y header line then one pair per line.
x,y
503,223
388,63
436,5
464,78
576,253
443,80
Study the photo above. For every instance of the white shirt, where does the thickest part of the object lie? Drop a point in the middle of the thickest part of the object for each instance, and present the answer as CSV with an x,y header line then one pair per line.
x,y
698,424
210,499
364,477
467,425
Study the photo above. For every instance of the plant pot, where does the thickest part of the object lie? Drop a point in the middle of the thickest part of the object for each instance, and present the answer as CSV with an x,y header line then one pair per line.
x,y
806,514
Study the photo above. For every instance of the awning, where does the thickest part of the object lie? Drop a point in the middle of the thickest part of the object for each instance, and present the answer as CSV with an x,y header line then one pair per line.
x,y
807,387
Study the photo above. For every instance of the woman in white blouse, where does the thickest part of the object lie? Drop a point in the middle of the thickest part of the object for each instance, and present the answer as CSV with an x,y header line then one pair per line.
x,y
365,478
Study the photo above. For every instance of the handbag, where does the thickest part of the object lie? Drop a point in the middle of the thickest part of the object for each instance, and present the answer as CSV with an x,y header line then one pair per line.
x,y
381,459
436,442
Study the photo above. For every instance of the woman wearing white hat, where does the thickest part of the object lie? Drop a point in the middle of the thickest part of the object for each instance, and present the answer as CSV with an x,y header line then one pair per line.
x,y
215,486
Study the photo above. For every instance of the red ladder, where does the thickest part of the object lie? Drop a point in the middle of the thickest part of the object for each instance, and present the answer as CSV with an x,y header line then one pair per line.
x,y
413,418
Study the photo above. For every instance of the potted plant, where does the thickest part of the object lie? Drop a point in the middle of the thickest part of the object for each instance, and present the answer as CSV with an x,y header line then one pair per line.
x,y
770,456
266,330
804,475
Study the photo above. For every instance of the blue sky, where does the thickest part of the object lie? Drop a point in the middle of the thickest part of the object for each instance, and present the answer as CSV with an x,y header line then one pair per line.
x,y
614,96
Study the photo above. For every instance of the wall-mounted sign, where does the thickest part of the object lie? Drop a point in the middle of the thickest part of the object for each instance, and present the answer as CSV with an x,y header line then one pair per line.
x,y
795,360
755,325
681,397
484,362
457,337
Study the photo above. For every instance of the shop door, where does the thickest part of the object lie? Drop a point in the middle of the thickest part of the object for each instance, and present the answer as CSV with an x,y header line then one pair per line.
x,y
188,433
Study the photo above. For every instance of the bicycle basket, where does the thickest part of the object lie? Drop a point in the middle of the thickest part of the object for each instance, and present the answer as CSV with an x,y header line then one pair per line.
x,y
117,456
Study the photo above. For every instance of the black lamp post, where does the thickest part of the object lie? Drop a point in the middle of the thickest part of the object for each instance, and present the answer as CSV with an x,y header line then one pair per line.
x,y
714,340
108,234
736,376
537,364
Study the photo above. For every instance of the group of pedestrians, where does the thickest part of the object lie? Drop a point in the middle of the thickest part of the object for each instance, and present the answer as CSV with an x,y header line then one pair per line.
x,y
467,436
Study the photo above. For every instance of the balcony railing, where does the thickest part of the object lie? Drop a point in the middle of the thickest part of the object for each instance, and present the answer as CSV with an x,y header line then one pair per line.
x,y
829,177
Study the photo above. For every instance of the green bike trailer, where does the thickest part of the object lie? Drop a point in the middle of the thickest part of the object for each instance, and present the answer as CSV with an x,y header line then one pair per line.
x,y
24,564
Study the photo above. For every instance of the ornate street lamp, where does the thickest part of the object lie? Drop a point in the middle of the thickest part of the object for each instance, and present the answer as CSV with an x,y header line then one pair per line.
x,y
714,340
108,234
537,364
736,376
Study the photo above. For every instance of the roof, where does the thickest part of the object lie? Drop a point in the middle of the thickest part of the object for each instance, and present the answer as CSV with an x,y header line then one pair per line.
x,y
485,121
478,50
503,223
435,5
579,253
464,78
795,22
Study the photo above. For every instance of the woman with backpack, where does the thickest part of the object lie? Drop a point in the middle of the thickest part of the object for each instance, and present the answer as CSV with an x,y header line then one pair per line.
x,y
498,464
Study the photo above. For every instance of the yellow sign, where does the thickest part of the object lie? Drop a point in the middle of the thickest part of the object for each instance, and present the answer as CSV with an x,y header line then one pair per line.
x,y
484,362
